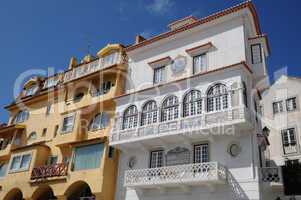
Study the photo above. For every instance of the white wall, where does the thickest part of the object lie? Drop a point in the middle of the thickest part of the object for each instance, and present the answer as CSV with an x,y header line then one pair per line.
x,y
229,48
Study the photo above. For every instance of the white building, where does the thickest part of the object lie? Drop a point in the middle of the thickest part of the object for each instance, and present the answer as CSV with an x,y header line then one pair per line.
x,y
185,125
281,116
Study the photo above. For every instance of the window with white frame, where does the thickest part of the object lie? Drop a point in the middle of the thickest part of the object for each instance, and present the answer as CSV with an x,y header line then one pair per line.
x,y
68,123
156,159
217,98
170,109
31,90
289,140
291,104
256,53
21,116
201,153
149,113
130,117
100,121
200,63
192,104
277,107
20,162
159,75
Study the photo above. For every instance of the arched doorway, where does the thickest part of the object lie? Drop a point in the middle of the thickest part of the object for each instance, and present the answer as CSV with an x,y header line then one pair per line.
x,y
78,191
14,194
43,193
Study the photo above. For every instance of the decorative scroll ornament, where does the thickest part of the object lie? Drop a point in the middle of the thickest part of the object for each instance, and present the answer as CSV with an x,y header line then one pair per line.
x,y
179,64
178,156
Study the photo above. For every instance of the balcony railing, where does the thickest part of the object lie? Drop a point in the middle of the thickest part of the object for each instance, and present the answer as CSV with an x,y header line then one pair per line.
x,y
189,125
92,67
271,174
190,174
49,171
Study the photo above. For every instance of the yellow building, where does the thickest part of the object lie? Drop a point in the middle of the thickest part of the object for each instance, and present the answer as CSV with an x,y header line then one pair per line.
x,y
55,145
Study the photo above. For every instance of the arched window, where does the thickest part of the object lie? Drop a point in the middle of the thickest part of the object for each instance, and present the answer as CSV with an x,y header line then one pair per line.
x,y
130,117
32,136
149,113
100,121
170,109
217,98
21,116
192,104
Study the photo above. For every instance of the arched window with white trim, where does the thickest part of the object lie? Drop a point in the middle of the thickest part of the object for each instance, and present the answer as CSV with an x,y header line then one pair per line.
x,y
192,103
149,113
130,117
217,98
170,109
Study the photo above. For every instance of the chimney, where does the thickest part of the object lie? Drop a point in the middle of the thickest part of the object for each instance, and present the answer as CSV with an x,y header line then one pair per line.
x,y
72,63
182,22
139,39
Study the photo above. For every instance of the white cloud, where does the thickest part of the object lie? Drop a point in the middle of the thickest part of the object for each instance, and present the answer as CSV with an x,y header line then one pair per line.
x,y
160,7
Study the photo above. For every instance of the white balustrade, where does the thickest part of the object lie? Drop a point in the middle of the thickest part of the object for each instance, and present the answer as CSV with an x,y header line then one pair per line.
x,y
173,175
183,125
94,66
271,174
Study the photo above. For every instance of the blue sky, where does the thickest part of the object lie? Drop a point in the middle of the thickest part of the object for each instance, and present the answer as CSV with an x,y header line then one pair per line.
x,y
40,34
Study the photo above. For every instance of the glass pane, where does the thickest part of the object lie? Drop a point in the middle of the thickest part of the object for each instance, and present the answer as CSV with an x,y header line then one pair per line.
x,y
88,157
25,161
15,163
3,168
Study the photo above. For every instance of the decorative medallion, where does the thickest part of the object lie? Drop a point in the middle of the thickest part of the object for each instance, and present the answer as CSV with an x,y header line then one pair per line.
x,y
179,64
234,149
132,162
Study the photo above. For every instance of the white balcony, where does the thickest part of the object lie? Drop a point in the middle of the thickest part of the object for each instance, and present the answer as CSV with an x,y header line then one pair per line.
x,y
225,122
92,67
272,176
176,176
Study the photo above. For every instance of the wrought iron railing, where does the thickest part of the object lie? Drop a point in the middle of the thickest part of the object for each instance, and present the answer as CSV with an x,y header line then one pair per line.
x,y
48,171
190,173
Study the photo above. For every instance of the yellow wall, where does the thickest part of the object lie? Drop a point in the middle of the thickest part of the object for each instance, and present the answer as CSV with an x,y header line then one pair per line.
x,y
101,180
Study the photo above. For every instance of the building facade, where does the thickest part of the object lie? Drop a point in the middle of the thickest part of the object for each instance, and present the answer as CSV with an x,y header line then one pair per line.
x,y
55,145
281,117
186,126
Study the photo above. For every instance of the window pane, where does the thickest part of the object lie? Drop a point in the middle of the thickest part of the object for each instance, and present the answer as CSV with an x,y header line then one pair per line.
x,y
88,157
15,163
156,159
256,53
201,153
200,63
25,161
159,74
3,168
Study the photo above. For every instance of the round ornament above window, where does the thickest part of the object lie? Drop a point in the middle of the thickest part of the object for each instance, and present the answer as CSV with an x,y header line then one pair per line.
x,y
132,162
234,149
179,64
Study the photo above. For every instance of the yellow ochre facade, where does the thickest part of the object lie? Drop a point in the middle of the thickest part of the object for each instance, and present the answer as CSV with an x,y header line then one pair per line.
x,y
55,144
